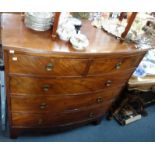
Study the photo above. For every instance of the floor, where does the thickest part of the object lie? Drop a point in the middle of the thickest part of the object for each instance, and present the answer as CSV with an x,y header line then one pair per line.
x,y
108,131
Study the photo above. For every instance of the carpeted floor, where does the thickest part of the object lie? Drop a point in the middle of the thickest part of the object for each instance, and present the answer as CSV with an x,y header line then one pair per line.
x,y
108,131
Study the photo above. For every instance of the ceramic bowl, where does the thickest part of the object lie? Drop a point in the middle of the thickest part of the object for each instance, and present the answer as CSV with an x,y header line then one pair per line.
x,y
79,41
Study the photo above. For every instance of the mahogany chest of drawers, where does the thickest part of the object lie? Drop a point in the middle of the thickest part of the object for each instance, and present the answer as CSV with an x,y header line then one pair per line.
x,y
51,88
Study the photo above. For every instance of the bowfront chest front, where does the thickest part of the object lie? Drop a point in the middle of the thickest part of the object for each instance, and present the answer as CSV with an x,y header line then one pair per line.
x,y
51,87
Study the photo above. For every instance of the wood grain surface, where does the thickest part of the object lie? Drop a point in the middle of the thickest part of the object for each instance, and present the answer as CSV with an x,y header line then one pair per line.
x,y
50,85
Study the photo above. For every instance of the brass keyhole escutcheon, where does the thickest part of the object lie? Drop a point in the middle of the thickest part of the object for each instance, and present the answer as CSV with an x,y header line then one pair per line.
x,y
46,87
43,106
99,100
118,65
40,121
49,67
91,115
108,83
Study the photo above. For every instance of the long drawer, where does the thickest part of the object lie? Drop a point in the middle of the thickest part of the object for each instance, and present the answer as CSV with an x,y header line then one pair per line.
x,y
46,66
55,104
28,85
49,119
49,66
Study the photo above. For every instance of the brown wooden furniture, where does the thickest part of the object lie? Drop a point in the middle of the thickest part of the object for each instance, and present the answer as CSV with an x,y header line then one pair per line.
x,y
51,86
130,22
55,24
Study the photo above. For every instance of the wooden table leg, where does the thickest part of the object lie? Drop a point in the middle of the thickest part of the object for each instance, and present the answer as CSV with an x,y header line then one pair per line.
x,y
55,24
130,22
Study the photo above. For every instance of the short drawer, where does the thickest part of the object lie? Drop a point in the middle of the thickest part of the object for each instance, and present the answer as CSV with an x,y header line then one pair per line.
x,y
48,86
49,119
114,64
56,104
46,66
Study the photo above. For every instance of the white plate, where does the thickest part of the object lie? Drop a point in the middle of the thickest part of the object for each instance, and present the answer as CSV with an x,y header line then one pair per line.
x,y
79,48
39,21
79,41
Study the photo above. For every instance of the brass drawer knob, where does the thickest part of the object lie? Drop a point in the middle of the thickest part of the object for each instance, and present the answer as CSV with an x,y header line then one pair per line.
x,y
108,83
91,115
99,100
40,121
43,106
118,65
46,87
49,67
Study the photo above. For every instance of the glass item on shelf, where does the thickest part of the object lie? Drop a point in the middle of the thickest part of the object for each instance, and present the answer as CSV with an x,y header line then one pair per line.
x,y
97,17
113,26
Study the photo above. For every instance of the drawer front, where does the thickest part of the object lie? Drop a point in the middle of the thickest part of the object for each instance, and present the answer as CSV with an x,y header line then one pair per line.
x,y
27,85
105,65
49,119
56,104
46,66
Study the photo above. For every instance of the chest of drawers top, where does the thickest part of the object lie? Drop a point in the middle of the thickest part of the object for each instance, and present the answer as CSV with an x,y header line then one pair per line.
x,y
16,35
